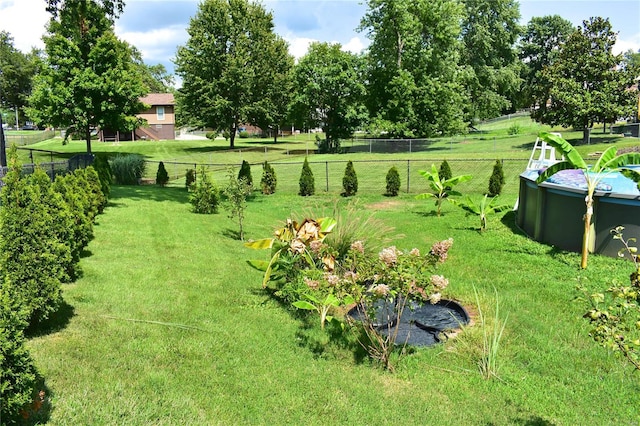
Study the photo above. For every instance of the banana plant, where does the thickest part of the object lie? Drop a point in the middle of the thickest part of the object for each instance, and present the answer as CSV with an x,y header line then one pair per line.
x,y
441,189
294,238
322,305
483,209
608,163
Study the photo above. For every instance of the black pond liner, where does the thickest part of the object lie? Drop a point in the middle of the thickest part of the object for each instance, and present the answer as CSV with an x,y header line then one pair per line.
x,y
420,325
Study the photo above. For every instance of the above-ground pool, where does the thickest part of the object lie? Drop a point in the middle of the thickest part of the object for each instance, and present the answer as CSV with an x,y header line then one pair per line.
x,y
552,212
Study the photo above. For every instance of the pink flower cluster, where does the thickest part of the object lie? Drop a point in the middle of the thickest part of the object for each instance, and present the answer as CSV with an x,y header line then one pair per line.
x,y
441,248
389,255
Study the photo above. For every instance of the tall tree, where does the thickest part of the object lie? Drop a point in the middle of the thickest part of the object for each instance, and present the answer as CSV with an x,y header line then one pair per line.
x,y
329,92
230,66
89,79
413,66
16,73
539,46
489,32
155,78
587,82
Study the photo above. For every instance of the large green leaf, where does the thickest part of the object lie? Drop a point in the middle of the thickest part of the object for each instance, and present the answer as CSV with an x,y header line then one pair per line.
x,y
327,224
571,154
632,174
303,304
456,180
262,244
260,265
605,160
630,158
552,170
424,196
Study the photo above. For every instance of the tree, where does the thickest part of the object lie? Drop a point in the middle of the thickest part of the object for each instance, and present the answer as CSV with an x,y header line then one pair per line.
x,y
329,92
155,78
231,67
307,182
269,180
88,79
489,32
413,64
245,173
162,177
393,182
587,83
608,162
16,73
349,181
496,181
539,47
237,192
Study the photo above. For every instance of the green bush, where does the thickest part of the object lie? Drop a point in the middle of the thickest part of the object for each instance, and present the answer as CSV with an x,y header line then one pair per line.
x,y
127,169
18,374
393,182
33,249
101,166
349,181
269,180
243,134
445,171
245,173
496,181
307,182
90,181
205,195
514,129
211,135
190,178
162,177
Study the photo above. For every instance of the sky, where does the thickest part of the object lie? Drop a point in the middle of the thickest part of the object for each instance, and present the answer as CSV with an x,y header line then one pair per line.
x,y
158,27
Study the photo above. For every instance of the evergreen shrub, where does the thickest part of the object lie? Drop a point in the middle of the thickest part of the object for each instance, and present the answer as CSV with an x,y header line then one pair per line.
x,y
307,182
245,173
190,178
101,166
349,181
162,177
393,182
205,195
444,172
496,181
269,180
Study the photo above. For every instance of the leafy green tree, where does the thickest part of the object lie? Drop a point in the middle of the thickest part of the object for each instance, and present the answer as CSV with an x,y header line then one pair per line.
x,y
496,181
349,181
587,84
230,67
155,78
440,189
237,191
538,48
88,79
269,180
162,177
329,92
307,182
489,32
393,182
16,74
413,64
608,162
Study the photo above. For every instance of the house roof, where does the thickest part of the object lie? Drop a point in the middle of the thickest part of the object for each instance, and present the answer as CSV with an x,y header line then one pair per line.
x,y
158,99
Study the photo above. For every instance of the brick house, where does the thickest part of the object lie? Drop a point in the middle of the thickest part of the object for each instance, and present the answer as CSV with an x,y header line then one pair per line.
x,y
160,116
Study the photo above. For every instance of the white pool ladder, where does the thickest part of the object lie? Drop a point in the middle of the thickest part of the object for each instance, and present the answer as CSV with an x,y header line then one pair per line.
x,y
545,158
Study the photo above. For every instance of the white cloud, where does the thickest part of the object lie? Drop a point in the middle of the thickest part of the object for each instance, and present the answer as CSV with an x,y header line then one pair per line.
x,y
298,46
631,43
354,45
25,20
158,44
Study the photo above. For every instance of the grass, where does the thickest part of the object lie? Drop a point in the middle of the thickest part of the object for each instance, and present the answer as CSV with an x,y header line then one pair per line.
x,y
169,325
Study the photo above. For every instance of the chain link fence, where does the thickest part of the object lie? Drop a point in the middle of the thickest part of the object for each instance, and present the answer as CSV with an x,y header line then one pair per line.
x,y
371,174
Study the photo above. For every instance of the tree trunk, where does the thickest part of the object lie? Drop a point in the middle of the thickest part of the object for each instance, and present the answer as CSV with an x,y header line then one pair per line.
x,y
586,135
87,135
232,136
587,231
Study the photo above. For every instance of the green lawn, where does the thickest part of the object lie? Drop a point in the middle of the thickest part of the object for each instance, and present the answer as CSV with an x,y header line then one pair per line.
x,y
170,326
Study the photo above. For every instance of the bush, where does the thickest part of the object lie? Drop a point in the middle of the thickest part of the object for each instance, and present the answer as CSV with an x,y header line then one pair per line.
x,y
269,180
514,129
245,173
18,378
445,171
393,182
190,178
349,181
101,166
211,135
127,169
34,250
162,177
307,182
496,181
243,134
205,196
89,179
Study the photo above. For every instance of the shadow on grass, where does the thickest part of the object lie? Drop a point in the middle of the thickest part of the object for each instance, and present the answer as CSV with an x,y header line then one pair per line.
x,y
57,321
38,412
533,421
147,192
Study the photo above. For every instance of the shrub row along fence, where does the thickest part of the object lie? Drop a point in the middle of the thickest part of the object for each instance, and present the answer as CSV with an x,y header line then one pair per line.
x,y
371,174
54,168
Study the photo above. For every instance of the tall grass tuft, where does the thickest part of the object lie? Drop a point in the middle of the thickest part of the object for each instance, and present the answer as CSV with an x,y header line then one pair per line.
x,y
127,169
491,336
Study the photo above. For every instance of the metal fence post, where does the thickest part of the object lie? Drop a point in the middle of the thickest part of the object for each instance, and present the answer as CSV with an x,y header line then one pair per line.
x,y
408,173
326,172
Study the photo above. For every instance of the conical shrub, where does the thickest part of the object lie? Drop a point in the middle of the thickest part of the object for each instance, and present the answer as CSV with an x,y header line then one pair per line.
x,y
307,182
